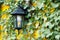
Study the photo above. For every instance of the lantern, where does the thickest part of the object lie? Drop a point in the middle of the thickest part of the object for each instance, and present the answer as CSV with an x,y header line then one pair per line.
x,y
18,17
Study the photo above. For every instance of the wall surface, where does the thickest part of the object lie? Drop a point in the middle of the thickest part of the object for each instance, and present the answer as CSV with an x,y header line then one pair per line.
x,y
42,20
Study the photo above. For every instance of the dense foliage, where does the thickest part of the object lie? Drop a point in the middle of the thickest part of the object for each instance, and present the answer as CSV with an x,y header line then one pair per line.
x,y
42,20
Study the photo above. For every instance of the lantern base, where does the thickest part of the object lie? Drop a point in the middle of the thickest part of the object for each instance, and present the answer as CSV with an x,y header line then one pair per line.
x,y
18,28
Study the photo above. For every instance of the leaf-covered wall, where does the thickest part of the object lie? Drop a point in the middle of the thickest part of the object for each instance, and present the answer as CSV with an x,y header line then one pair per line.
x,y
42,20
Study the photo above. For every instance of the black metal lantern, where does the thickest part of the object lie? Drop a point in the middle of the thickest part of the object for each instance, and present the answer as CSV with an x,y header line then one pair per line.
x,y
18,17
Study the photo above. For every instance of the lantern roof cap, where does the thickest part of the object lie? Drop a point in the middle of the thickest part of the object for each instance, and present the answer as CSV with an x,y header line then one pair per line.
x,y
19,11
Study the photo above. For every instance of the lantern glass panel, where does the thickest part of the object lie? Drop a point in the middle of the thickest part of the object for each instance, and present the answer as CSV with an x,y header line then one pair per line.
x,y
18,21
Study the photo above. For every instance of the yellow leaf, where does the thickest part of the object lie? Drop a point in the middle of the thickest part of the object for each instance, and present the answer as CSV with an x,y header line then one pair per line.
x,y
34,4
16,0
52,10
16,31
4,16
5,33
1,27
1,35
35,34
44,38
5,7
45,10
19,36
21,31
27,35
